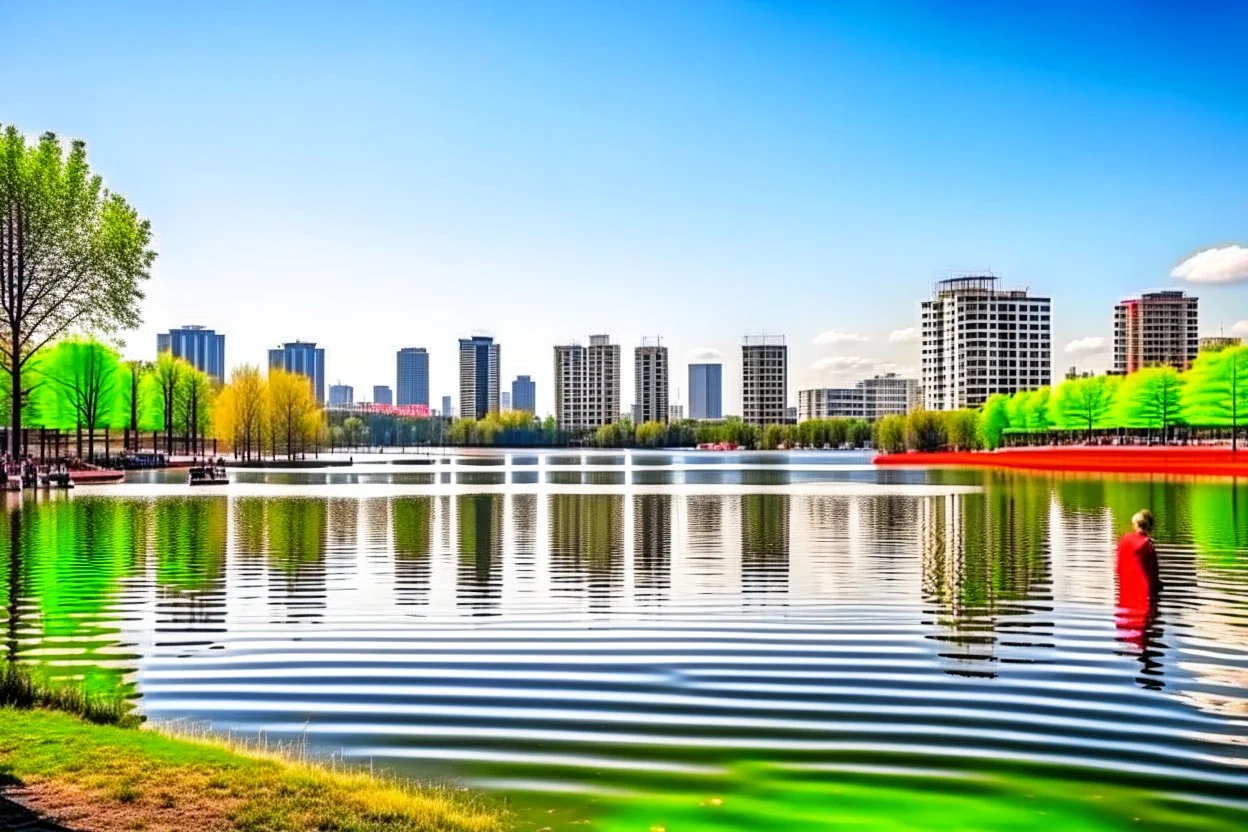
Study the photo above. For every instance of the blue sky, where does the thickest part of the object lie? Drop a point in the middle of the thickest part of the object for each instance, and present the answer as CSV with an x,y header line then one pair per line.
x,y
379,175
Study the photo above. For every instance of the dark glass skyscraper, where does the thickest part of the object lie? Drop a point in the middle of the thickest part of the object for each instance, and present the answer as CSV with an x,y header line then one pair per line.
x,y
706,390
524,394
304,358
203,348
412,384
478,377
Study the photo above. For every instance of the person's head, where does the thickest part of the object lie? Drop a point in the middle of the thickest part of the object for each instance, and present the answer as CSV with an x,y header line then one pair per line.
x,y
1143,521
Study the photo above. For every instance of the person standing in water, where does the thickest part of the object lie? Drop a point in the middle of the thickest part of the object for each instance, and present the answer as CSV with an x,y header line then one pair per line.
x,y
1137,559
1138,581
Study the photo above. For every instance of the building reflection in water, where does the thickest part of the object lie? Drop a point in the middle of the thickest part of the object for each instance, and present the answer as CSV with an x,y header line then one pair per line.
x,y
764,545
411,520
479,521
986,565
652,548
91,584
587,547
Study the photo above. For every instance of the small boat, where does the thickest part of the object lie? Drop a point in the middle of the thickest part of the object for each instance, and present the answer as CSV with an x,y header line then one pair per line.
x,y
56,479
207,475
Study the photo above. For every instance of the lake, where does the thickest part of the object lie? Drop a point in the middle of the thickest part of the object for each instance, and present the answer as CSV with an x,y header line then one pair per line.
x,y
676,641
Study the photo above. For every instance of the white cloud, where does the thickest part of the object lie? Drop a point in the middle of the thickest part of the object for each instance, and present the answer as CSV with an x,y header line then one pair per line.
x,y
903,336
1092,345
1239,329
1221,264
855,367
831,336
843,364
705,354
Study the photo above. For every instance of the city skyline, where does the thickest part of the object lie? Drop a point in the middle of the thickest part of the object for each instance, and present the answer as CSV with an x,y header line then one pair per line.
x,y
781,141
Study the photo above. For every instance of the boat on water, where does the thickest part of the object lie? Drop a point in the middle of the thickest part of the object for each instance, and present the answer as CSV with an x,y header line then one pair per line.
x,y
717,446
207,475
56,479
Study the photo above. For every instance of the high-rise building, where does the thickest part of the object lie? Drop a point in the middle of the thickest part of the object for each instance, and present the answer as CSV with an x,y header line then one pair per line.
x,y
706,386
980,339
448,409
1217,343
504,400
764,380
870,399
203,348
1155,329
675,412
341,395
524,394
478,377
412,376
650,381
304,358
587,384
382,394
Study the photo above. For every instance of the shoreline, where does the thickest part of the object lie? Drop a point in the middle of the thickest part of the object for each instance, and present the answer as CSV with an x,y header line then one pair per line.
x,y
1166,460
70,774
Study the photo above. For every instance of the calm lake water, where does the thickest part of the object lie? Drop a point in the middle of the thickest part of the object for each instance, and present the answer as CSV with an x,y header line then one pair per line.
x,y
675,641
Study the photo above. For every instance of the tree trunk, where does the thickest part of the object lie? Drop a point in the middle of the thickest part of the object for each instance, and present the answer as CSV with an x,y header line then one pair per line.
x,y
15,421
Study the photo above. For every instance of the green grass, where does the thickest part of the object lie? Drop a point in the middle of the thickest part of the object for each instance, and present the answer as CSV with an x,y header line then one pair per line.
x,y
123,778
19,688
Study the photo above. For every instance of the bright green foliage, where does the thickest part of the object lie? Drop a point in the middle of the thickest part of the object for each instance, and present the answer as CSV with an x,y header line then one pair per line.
x,y
1150,398
926,431
993,420
890,434
151,410
73,255
773,437
1017,410
1036,410
1084,403
962,429
650,434
1216,389
79,385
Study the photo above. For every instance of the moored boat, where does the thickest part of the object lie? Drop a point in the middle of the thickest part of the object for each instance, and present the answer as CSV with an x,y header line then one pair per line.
x,y
207,475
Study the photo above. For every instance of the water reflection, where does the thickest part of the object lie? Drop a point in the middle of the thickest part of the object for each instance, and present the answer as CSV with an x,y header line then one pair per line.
x,y
480,524
412,522
652,547
577,636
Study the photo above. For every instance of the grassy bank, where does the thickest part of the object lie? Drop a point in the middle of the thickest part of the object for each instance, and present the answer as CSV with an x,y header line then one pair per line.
x,y
107,777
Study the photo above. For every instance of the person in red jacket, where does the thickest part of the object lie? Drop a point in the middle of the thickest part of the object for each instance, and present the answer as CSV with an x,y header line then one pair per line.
x,y
1138,580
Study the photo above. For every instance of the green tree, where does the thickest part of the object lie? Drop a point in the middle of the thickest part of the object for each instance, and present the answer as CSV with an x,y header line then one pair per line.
x,y
194,406
353,431
1150,398
80,384
890,434
131,399
73,255
1083,403
994,418
926,431
1216,392
168,377
773,437
962,429
1036,410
